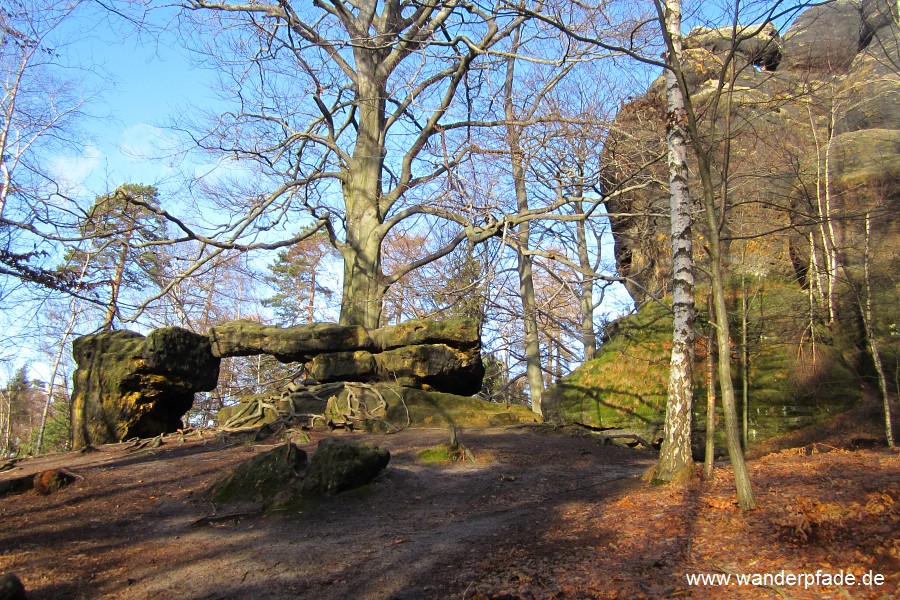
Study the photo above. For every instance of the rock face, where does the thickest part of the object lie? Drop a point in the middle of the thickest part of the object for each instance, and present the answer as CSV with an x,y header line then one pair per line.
x,y
832,82
813,123
127,385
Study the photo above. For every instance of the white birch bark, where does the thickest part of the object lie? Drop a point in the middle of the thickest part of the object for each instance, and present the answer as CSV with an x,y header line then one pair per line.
x,y
675,454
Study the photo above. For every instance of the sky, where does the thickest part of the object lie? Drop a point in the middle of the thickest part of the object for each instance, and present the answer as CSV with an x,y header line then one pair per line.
x,y
143,83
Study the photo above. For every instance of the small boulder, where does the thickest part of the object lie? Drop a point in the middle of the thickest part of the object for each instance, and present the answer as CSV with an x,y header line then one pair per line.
x,y
47,482
266,480
340,464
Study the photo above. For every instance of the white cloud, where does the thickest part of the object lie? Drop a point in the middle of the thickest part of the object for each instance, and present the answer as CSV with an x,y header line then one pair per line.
x,y
73,171
143,143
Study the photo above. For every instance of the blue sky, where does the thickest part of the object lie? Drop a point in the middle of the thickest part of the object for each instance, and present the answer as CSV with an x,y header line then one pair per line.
x,y
142,82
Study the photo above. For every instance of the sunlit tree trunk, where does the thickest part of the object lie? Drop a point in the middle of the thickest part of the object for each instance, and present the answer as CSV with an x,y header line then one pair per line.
x,y
870,336
364,291
675,453
586,296
57,361
525,261
710,454
745,366
112,308
5,419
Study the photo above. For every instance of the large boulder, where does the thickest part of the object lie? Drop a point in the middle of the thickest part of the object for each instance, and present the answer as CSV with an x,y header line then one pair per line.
x,y
427,366
825,38
433,367
443,355
127,385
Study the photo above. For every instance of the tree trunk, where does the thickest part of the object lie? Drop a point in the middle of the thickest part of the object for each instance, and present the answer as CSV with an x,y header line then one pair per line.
x,y
57,361
710,455
363,292
744,489
6,422
745,367
873,344
672,31
112,309
586,299
525,266
675,454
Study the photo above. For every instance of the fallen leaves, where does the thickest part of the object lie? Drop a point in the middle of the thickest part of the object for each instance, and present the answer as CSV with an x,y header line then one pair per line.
x,y
831,511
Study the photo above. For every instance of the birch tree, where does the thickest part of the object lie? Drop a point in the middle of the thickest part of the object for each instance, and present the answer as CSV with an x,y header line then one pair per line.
x,y
42,107
675,453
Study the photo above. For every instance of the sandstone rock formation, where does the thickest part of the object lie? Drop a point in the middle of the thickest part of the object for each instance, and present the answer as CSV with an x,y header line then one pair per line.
x,y
813,122
441,355
832,82
127,385
287,344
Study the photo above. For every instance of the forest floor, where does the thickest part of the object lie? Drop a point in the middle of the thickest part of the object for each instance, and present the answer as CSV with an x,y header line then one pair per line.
x,y
542,513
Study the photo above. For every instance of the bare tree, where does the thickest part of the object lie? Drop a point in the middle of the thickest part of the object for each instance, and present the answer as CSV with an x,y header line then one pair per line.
x,y
41,110
355,114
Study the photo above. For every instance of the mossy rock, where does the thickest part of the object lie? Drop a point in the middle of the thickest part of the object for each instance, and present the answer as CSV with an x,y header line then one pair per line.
x,y
245,409
420,408
456,332
340,464
624,386
267,480
127,385
288,344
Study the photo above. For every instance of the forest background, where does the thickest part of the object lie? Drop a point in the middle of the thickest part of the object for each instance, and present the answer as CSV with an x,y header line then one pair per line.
x,y
207,185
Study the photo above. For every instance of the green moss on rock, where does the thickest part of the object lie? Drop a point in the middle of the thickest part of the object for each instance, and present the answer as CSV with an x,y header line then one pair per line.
x,y
422,408
340,464
266,480
790,384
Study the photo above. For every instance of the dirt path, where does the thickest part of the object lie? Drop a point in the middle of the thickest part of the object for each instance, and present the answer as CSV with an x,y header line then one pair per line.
x,y
124,530
540,515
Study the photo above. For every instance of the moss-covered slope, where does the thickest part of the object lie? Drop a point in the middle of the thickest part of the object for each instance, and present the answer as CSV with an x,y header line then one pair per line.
x,y
797,375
